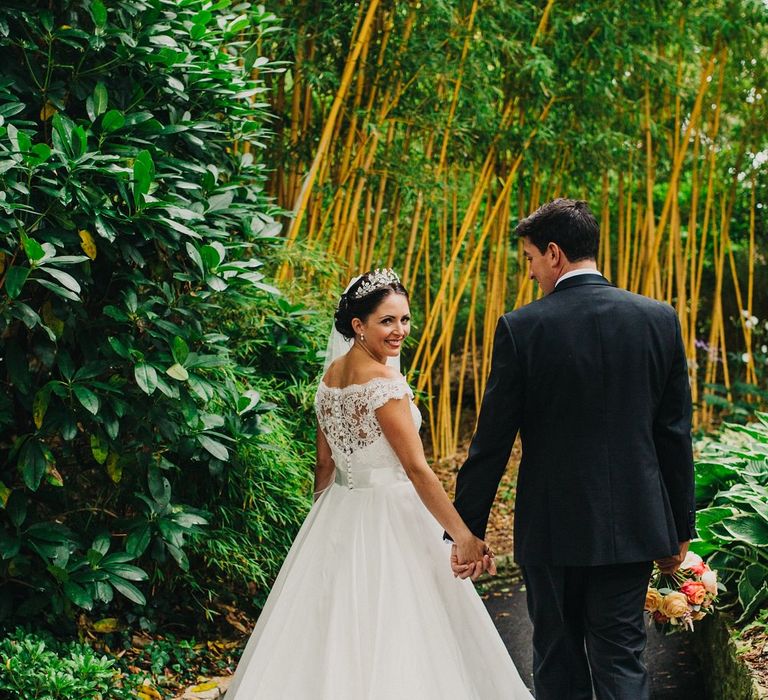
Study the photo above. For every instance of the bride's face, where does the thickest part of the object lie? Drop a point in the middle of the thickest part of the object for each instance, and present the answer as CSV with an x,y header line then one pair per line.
x,y
387,326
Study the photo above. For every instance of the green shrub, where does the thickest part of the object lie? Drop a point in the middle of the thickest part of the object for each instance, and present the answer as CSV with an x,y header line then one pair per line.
x,y
133,223
732,480
38,667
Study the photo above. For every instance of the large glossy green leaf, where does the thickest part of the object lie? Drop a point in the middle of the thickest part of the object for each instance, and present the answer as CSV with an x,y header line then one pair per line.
x,y
138,540
146,377
31,463
78,595
749,528
112,121
128,590
15,279
215,448
87,398
100,99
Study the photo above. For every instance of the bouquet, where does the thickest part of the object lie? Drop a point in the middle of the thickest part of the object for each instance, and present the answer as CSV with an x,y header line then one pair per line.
x,y
682,598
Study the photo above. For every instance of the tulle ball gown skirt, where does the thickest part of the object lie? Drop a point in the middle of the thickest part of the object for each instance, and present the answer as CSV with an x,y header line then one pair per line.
x,y
366,608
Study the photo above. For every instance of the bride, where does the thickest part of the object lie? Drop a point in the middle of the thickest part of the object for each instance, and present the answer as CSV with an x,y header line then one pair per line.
x,y
366,606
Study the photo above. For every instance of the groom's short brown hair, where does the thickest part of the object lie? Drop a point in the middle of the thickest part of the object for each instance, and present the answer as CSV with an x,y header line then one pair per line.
x,y
567,222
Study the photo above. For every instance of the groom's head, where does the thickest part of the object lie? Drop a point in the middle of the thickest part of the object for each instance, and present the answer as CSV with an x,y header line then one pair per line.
x,y
557,235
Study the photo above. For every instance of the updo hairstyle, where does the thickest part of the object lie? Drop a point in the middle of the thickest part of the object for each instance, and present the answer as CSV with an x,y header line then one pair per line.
x,y
362,308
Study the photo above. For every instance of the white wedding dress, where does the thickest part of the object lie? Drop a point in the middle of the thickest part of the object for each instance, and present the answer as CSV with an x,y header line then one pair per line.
x,y
365,606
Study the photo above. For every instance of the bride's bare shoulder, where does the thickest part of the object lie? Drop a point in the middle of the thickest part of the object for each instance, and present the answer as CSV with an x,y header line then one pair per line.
x,y
343,372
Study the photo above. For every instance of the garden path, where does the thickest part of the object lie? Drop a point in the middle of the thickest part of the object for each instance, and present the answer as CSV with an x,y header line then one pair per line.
x,y
671,661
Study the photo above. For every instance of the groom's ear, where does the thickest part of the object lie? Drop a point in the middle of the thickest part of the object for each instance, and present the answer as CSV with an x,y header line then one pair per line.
x,y
554,252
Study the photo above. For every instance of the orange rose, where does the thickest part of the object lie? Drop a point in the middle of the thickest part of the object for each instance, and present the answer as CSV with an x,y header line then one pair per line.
x,y
674,605
653,600
695,591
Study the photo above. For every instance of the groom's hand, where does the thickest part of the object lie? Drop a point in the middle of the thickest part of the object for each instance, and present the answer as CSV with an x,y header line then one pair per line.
x,y
472,559
669,565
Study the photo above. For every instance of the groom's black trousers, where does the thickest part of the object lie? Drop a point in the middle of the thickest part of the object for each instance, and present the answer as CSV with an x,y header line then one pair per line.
x,y
588,630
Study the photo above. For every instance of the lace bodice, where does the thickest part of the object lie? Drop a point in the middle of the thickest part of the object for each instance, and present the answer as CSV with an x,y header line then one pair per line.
x,y
347,417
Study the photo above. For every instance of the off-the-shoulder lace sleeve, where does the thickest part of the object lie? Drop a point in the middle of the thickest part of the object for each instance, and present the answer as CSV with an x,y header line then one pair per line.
x,y
382,389
347,414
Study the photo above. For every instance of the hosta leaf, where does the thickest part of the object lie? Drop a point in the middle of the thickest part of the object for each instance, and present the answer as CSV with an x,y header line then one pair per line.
x,y
749,528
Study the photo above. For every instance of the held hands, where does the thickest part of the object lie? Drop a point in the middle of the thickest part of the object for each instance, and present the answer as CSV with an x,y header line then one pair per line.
x,y
471,558
669,565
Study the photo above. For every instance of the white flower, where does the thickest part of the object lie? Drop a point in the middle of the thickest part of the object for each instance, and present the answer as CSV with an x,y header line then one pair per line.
x,y
764,349
691,559
745,313
745,358
754,320
709,579
749,323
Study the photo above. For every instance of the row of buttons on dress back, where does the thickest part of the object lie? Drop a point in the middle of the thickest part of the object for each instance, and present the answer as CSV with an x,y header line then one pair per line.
x,y
337,411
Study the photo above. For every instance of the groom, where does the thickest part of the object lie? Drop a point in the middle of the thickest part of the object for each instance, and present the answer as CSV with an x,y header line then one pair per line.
x,y
595,379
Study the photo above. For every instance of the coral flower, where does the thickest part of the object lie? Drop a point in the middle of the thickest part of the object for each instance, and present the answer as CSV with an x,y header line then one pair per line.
x,y
695,563
694,591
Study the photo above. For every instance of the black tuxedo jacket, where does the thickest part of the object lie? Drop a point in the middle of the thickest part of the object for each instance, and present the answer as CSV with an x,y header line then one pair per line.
x,y
595,379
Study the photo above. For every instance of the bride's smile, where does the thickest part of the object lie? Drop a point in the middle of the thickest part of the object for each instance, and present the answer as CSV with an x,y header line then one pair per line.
x,y
383,332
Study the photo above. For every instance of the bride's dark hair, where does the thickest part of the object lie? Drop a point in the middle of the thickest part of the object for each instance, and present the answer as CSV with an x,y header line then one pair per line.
x,y
349,307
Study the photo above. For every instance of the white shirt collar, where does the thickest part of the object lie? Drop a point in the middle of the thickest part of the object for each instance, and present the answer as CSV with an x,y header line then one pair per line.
x,y
574,273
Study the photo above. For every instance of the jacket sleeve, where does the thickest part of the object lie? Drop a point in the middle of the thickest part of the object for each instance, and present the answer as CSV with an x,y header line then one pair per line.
x,y
672,439
498,423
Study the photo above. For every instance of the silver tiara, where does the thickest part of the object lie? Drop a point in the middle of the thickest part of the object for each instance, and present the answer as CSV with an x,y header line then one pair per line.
x,y
378,279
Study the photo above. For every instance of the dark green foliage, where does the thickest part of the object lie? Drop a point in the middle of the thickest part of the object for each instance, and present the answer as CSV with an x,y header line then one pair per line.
x,y
732,480
132,223
34,666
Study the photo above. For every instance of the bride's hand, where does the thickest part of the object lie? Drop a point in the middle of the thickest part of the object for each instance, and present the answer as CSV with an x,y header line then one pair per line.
x,y
472,557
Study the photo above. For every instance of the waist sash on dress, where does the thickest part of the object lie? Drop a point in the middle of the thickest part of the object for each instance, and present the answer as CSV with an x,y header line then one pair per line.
x,y
370,478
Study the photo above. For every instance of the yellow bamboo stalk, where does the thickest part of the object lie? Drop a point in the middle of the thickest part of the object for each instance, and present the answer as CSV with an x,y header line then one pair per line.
x,y
325,137
693,121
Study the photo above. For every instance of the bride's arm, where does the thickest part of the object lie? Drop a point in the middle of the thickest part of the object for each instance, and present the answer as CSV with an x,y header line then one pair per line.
x,y
397,425
324,466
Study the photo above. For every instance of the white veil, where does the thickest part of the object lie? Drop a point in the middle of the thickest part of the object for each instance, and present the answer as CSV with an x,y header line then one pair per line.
x,y
338,345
